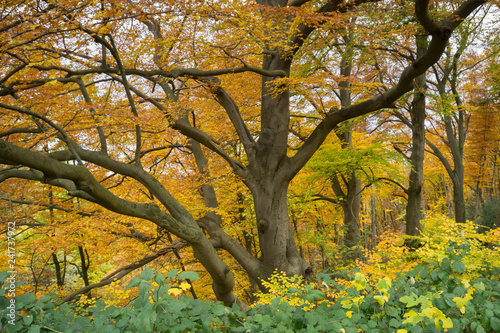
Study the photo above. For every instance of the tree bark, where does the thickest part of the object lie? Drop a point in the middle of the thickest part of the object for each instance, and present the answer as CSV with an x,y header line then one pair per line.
x,y
414,205
59,274
351,197
85,264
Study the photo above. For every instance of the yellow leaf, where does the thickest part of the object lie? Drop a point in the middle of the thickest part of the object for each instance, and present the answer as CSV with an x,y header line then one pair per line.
x,y
175,291
380,299
185,286
447,323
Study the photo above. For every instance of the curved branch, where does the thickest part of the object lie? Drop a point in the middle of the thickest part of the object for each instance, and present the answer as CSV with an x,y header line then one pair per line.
x,y
395,183
15,130
324,198
68,176
232,110
209,142
47,206
36,175
58,128
385,100
298,3
424,17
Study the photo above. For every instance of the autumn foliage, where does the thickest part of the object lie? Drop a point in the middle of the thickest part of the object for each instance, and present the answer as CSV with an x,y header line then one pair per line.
x,y
240,148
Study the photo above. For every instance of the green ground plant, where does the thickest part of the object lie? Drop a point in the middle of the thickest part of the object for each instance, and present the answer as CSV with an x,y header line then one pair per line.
x,y
432,297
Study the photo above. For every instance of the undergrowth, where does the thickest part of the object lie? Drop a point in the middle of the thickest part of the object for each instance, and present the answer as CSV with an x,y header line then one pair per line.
x,y
449,284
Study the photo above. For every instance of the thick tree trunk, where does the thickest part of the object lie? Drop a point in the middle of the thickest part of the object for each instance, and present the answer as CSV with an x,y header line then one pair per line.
x,y
276,240
268,181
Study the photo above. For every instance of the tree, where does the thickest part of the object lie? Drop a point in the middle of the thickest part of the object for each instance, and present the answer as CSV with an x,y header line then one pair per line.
x,y
105,88
452,110
416,122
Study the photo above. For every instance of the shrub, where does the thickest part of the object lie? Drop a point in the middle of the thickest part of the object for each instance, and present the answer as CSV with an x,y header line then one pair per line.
x,y
432,297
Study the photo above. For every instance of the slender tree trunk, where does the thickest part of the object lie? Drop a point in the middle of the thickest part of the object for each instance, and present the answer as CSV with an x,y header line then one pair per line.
x,y
57,266
457,181
414,205
374,223
351,196
497,220
458,194
85,264
448,200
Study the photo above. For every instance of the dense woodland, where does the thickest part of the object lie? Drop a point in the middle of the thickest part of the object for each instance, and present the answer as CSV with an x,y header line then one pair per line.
x,y
249,145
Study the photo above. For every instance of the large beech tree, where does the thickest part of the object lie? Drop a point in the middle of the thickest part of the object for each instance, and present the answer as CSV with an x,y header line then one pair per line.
x,y
91,90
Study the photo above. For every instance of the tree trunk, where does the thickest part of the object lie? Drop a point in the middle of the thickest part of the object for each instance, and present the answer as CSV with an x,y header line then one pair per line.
x,y
351,207
458,194
85,264
276,239
414,205
59,274
374,222
351,197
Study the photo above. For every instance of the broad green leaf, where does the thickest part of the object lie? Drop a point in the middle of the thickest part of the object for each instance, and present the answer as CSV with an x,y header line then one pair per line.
x,y
134,282
458,266
188,275
147,274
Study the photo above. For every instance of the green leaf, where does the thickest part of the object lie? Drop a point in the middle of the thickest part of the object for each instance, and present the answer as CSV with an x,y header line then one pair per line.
x,y
172,273
25,299
424,273
160,278
495,324
219,310
297,322
458,266
416,329
134,282
47,298
445,264
394,323
480,329
28,319
34,329
145,321
392,311
431,328
188,275
81,322
147,274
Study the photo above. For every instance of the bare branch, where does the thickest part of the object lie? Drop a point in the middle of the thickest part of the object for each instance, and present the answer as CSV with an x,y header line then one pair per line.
x,y
123,271
47,206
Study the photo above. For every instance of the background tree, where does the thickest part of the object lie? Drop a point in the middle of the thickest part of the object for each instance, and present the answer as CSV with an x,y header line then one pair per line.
x,y
452,106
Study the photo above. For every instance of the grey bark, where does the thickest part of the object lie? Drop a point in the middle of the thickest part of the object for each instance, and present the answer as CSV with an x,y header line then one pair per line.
x,y
416,179
351,197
